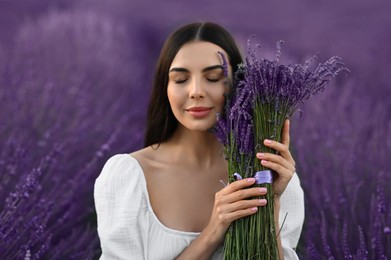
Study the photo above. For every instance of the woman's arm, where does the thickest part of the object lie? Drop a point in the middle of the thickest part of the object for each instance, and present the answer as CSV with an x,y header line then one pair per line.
x,y
231,203
122,228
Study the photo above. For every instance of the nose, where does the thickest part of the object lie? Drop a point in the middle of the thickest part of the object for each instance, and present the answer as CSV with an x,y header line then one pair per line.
x,y
196,90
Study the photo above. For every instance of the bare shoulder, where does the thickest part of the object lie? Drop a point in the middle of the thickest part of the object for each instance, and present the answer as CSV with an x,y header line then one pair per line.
x,y
147,158
147,153
140,154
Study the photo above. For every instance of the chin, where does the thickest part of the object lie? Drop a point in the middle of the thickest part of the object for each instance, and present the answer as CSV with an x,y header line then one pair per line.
x,y
201,127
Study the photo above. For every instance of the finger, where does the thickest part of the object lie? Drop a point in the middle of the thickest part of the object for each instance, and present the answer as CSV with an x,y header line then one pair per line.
x,y
244,204
230,217
243,194
237,185
284,173
287,163
285,137
282,149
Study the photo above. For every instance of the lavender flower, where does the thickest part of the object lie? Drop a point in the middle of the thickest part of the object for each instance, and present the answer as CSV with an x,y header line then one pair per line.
x,y
263,97
345,243
225,64
365,215
54,145
362,252
340,143
287,86
221,129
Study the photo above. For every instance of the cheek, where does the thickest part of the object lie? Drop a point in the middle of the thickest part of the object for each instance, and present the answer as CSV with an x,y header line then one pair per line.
x,y
219,99
174,97
222,103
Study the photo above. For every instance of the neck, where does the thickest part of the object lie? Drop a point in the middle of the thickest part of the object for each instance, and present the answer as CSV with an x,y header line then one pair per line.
x,y
198,147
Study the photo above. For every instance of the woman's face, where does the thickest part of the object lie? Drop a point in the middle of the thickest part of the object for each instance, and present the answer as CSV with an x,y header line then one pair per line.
x,y
197,85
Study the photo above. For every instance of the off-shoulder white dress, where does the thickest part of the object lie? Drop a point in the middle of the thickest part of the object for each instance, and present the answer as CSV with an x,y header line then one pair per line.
x,y
129,229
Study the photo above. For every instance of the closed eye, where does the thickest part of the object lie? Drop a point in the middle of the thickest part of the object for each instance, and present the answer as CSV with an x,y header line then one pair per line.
x,y
213,80
180,81
214,76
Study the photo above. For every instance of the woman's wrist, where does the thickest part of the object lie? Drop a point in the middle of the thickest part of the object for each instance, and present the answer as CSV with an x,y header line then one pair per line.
x,y
202,247
211,236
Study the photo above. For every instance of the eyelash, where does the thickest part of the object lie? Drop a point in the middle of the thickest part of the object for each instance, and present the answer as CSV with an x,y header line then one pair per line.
x,y
213,80
210,80
180,81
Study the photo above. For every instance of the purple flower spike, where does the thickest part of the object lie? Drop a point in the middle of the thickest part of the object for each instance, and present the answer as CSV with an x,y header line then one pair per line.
x,y
264,94
225,63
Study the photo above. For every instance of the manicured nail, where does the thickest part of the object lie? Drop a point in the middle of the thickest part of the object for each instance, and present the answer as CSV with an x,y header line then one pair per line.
x,y
264,162
254,209
260,155
251,180
267,141
262,202
262,190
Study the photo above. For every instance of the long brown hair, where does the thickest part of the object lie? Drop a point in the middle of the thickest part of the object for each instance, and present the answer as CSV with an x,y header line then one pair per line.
x,y
161,122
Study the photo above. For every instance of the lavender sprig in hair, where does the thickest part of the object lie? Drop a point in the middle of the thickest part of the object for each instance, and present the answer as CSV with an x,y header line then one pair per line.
x,y
225,64
265,93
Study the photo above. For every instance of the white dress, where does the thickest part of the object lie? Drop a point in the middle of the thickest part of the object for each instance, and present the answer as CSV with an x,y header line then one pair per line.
x,y
129,229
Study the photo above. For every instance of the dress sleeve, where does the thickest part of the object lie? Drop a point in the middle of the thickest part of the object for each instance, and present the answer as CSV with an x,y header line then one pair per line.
x,y
120,207
292,210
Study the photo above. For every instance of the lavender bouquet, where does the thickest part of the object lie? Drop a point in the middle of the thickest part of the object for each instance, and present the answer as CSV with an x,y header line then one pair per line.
x,y
264,94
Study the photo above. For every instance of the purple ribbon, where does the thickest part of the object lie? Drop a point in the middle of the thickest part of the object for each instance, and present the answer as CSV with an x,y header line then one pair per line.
x,y
261,177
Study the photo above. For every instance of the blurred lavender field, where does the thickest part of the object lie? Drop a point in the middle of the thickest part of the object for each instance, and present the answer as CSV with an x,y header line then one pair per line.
x,y
75,78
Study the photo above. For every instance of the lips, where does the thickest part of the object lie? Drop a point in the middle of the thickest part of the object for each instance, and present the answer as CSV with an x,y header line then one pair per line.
x,y
199,112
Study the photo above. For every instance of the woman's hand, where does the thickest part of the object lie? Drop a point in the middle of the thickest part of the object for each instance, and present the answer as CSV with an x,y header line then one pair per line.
x,y
232,203
282,162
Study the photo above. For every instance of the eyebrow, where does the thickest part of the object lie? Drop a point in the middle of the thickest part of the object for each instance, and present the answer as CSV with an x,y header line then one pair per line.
x,y
204,70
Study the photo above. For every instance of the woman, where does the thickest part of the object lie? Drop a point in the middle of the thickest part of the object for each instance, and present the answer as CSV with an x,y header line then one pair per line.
x,y
167,200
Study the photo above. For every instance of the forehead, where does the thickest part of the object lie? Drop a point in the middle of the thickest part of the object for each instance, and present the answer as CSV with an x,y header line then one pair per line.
x,y
197,54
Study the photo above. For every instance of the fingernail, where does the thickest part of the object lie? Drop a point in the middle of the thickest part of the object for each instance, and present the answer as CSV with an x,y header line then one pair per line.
x,y
263,190
267,141
250,179
262,201
260,155
254,209
264,162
